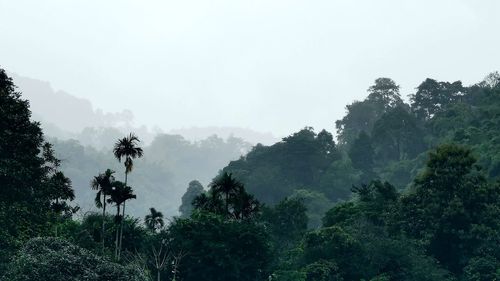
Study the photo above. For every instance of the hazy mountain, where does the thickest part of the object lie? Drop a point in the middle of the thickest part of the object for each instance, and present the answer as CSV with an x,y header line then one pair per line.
x,y
251,136
65,116
65,111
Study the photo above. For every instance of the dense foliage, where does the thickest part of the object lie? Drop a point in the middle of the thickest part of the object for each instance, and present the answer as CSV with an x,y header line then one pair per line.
x,y
34,191
55,259
409,192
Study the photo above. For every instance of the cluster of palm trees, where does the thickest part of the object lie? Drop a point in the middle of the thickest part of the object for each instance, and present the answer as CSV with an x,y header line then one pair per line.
x,y
111,191
228,197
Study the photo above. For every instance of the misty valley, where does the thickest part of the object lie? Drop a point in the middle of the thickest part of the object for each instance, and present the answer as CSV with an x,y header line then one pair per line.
x,y
404,189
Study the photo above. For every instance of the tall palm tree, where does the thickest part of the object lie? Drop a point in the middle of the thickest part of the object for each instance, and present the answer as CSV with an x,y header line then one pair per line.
x,y
154,220
127,148
120,193
227,186
103,183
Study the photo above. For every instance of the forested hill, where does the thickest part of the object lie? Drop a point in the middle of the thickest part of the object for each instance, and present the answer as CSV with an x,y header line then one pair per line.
x,y
330,212
381,137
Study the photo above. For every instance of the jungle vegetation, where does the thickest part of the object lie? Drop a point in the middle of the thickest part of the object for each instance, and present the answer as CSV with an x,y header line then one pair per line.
x,y
407,191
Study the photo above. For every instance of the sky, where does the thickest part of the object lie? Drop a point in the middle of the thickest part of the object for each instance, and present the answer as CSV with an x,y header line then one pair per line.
x,y
272,66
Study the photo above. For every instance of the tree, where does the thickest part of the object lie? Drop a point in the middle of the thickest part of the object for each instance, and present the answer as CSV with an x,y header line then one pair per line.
x,y
219,249
127,148
62,192
362,156
228,197
103,183
194,190
433,96
226,186
316,204
287,222
154,220
32,188
385,92
492,80
452,209
360,116
120,193
397,136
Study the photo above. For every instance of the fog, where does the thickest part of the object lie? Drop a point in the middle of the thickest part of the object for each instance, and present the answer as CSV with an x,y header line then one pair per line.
x,y
270,66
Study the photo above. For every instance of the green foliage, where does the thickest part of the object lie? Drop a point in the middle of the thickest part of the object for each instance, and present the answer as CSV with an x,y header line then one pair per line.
x,y
228,197
483,268
453,210
220,249
362,155
331,215
48,259
356,242
361,115
433,96
154,221
316,204
273,173
287,222
397,136
342,214
34,191
322,270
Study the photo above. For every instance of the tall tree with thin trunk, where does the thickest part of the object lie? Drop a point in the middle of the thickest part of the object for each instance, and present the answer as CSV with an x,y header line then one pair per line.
x,y
120,193
103,183
127,148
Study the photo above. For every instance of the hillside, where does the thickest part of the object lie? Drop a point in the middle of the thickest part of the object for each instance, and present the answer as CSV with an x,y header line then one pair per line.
x,y
380,137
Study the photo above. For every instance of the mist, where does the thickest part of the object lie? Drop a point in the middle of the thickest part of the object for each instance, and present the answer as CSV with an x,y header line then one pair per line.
x,y
270,66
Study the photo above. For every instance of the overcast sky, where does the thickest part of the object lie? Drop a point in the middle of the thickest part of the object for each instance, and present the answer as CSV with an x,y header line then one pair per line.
x,y
267,65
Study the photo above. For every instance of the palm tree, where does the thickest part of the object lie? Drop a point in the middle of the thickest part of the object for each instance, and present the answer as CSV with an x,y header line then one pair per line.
x,y
120,193
201,202
245,205
103,184
127,148
227,186
154,221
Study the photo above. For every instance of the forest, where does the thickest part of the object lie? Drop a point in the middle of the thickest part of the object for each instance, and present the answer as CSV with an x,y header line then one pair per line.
x,y
407,189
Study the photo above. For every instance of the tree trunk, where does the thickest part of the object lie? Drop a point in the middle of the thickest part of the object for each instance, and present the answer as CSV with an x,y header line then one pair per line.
x,y
227,206
103,221
121,222
121,230
158,275
117,232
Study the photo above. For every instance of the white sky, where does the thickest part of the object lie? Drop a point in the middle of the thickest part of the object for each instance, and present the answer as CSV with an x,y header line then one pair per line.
x,y
267,65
